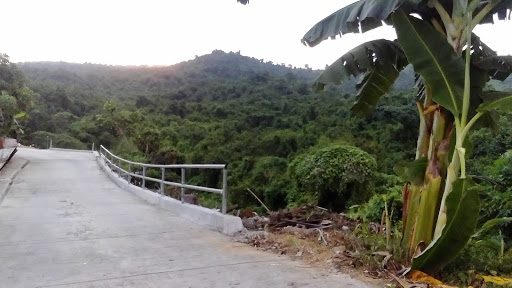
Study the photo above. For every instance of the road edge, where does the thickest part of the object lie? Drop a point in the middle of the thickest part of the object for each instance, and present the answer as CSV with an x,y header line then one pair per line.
x,y
9,173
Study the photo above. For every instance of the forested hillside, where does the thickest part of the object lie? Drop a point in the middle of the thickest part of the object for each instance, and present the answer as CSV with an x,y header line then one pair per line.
x,y
260,118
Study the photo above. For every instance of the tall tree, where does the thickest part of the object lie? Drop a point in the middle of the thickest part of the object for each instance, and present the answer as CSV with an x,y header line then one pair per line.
x,y
15,97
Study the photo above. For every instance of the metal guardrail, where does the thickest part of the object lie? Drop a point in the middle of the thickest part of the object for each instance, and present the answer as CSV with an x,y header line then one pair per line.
x,y
110,158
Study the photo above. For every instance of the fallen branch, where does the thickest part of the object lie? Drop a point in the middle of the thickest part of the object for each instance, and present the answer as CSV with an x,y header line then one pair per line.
x,y
304,222
231,208
261,202
400,281
322,236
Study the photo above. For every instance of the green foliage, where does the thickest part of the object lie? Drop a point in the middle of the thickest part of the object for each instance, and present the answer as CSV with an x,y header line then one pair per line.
x,y
412,172
503,169
497,203
378,63
62,121
9,109
210,200
338,176
167,155
497,195
272,171
127,150
59,140
490,225
433,58
15,98
388,186
480,257
354,18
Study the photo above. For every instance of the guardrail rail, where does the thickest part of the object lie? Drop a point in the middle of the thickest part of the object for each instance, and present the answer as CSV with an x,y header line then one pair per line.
x,y
115,163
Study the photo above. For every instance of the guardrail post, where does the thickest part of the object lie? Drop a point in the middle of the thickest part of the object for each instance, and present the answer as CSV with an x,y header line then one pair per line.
x,y
143,177
224,190
92,146
162,185
120,167
129,172
182,182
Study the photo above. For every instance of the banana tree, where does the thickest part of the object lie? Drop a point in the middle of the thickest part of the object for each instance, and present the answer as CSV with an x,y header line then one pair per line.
x,y
453,66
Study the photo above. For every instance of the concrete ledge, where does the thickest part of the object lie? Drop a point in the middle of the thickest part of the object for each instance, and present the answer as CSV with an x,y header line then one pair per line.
x,y
70,150
226,224
8,173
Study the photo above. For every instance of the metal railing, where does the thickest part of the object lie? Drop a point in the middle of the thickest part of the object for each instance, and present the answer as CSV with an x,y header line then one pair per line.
x,y
49,145
111,159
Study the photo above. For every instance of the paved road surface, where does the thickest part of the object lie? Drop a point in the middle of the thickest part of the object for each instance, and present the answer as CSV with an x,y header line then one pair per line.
x,y
65,224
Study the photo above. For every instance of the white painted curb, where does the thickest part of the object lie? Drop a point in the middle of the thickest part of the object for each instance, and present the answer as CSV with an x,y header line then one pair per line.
x,y
226,224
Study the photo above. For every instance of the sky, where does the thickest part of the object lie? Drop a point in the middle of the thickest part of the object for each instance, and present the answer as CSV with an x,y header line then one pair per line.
x,y
165,32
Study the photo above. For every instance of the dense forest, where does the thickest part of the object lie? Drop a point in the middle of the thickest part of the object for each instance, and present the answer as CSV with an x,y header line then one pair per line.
x,y
260,118
220,108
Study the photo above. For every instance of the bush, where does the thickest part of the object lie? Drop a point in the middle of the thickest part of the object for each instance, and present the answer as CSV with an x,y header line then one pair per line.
x,y
386,185
61,140
336,176
497,199
480,257
167,156
265,176
503,168
269,175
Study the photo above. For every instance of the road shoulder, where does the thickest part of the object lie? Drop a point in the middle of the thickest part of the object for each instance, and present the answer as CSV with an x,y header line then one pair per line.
x,y
9,172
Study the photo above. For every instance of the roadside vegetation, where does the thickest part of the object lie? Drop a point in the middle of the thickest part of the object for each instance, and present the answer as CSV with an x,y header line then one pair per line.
x,y
287,144
421,181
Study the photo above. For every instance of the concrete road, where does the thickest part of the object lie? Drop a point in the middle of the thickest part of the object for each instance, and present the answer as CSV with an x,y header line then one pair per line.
x,y
63,223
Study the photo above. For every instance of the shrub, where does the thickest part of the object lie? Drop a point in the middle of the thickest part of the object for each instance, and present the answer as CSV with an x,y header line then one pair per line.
x,y
391,187
61,140
337,176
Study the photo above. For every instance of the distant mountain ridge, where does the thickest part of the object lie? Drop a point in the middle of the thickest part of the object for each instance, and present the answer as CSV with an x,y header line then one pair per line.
x,y
226,73
218,66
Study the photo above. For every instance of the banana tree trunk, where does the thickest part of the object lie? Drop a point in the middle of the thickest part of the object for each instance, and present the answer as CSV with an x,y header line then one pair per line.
x,y
422,202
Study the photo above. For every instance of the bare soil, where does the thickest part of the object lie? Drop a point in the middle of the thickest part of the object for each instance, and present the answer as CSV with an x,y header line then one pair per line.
x,y
321,239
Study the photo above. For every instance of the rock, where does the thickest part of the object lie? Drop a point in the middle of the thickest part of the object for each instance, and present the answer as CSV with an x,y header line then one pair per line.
x,y
255,223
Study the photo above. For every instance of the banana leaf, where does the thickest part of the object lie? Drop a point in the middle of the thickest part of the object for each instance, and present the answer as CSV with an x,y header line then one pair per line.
x,y
358,17
433,58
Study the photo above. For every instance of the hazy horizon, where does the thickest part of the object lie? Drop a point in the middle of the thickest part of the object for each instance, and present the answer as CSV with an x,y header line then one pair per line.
x,y
164,33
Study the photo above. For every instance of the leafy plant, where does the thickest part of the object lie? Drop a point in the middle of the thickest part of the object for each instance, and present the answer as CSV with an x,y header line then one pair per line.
x,y
336,175
15,97
59,140
388,186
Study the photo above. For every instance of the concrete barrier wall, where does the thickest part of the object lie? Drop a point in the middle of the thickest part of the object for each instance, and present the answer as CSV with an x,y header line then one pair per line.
x,y
211,219
8,147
